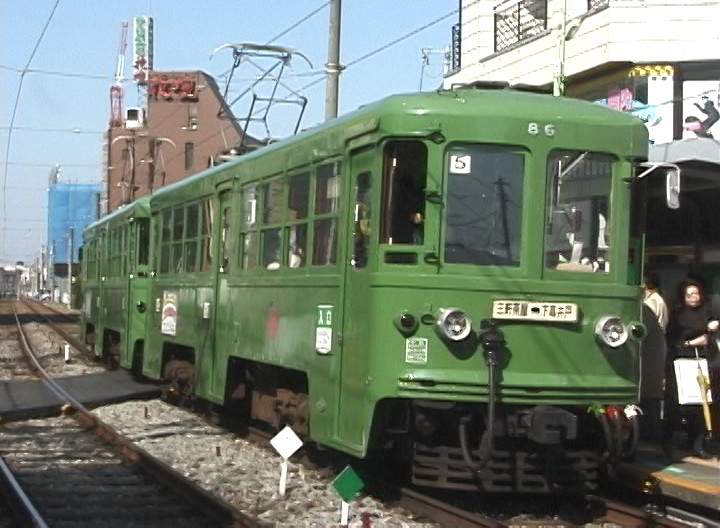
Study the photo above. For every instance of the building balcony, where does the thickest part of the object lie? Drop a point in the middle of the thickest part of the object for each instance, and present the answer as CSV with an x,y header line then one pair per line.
x,y
519,41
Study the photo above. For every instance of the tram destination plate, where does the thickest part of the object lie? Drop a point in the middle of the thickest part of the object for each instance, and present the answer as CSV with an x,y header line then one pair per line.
x,y
558,312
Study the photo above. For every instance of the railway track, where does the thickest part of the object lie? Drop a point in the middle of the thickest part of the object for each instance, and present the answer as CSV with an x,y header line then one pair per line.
x,y
596,510
74,470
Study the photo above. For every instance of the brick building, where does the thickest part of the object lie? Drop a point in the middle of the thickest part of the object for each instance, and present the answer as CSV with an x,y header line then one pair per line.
x,y
184,127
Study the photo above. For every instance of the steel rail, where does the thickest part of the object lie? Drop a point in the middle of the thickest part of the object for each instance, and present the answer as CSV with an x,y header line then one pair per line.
x,y
225,514
72,341
18,501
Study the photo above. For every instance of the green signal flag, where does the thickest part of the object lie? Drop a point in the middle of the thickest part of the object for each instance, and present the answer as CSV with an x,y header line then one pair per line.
x,y
348,484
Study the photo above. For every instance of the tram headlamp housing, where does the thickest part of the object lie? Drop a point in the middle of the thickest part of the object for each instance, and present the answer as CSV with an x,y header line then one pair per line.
x,y
611,331
406,323
453,324
637,331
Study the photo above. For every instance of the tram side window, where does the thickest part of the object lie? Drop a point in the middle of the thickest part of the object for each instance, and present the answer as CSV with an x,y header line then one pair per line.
x,y
297,212
166,241
273,210
143,241
327,192
577,236
362,217
405,175
206,234
177,239
249,229
192,234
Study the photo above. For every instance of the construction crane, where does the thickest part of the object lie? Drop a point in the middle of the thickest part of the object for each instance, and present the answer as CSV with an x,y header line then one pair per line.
x,y
116,90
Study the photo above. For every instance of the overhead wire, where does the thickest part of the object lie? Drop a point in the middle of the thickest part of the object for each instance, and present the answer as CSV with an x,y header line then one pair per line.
x,y
14,113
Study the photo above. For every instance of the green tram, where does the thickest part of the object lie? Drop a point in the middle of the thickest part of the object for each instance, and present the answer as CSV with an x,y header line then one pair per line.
x,y
451,275
115,265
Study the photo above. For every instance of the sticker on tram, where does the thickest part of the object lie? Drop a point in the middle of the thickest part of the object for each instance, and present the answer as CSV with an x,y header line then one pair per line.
x,y
560,312
416,350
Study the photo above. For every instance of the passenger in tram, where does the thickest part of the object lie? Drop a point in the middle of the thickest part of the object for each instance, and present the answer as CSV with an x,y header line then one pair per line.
x,y
654,352
691,335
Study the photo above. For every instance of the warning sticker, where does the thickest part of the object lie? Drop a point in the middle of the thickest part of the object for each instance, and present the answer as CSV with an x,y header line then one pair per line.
x,y
416,350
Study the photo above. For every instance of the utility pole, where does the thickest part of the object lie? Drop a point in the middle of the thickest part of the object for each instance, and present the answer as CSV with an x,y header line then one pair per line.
x,y
559,84
333,64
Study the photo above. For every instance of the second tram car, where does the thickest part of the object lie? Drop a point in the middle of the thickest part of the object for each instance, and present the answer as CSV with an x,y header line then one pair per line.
x,y
450,275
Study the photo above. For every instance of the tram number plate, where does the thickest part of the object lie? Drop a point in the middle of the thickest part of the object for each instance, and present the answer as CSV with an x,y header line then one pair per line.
x,y
559,312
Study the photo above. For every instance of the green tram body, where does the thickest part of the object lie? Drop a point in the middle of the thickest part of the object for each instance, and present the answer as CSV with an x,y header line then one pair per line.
x,y
115,284
524,197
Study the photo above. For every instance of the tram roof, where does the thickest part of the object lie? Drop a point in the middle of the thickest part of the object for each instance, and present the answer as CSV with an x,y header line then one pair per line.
x,y
504,104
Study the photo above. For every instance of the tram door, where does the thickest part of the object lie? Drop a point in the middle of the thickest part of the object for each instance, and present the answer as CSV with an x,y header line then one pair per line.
x,y
364,167
220,308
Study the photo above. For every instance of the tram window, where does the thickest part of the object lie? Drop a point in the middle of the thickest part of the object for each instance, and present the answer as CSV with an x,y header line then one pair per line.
x,y
271,248
578,211
206,231
405,174
225,239
191,221
190,255
178,223
325,242
484,205
177,240
362,217
327,188
272,202
297,242
250,250
249,224
143,241
192,226
298,196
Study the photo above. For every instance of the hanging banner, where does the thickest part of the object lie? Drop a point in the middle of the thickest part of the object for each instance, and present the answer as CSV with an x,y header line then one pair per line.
x,y
142,48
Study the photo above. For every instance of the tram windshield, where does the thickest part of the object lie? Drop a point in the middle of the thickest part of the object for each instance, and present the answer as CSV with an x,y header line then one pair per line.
x,y
484,205
577,234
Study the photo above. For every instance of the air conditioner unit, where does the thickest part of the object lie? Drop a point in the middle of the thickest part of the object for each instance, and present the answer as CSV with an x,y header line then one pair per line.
x,y
134,118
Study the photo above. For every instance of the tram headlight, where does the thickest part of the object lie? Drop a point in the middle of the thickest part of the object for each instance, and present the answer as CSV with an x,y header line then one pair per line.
x,y
453,324
611,331
406,323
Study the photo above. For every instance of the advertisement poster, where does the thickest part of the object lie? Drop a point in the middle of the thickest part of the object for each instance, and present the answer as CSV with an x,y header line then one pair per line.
x,y
168,325
700,109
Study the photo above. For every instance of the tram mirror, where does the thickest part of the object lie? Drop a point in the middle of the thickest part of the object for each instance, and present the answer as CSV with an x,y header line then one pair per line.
x,y
672,188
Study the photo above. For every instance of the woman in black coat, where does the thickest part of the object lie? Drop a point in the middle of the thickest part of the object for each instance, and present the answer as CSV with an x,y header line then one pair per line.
x,y
691,332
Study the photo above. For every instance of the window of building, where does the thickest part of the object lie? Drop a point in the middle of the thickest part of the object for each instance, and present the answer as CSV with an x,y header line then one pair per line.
x,y
192,123
189,155
518,21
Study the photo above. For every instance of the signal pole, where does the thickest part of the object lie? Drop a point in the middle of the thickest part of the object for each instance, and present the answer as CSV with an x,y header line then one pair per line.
x,y
333,64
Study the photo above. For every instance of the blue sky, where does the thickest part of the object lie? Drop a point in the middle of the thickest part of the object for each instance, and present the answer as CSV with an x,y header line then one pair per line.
x,y
63,109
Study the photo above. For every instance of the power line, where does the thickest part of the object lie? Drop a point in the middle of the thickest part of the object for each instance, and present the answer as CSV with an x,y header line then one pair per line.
x,y
390,44
14,114
296,24
55,130
57,73
48,164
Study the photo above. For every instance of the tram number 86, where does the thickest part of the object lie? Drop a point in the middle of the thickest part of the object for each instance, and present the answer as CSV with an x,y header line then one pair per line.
x,y
534,129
